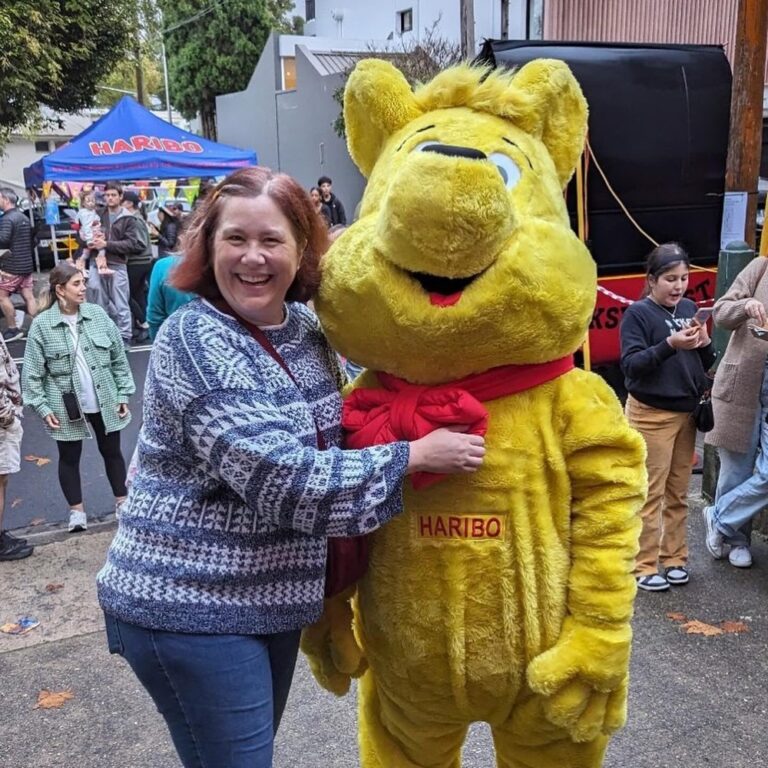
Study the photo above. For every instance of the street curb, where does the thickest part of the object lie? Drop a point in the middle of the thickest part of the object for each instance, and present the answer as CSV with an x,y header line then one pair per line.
x,y
40,535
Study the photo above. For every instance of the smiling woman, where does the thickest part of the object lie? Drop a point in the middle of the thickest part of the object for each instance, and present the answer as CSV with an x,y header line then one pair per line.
x,y
220,557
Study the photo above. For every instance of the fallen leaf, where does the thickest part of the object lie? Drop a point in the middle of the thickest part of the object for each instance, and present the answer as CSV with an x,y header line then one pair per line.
x,y
53,587
37,521
734,627
675,616
695,627
52,699
41,461
15,503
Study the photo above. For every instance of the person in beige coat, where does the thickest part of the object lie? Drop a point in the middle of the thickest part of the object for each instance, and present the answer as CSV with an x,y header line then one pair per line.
x,y
740,404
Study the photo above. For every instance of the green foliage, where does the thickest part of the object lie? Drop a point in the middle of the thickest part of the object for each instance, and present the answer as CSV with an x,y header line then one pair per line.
x,y
214,54
54,52
142,67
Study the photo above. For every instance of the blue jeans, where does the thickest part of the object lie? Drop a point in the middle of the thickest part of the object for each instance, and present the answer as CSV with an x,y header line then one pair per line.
x,y
222,696
742,486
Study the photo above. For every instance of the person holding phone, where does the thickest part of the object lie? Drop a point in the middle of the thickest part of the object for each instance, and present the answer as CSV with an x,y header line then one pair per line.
x,y
77,378
740,404
665,355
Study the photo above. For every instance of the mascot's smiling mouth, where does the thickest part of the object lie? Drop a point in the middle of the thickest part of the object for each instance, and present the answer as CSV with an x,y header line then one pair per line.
x,y
443,291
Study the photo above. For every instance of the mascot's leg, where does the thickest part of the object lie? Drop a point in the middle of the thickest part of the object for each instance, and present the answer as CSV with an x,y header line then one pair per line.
x,y
529,740
392,738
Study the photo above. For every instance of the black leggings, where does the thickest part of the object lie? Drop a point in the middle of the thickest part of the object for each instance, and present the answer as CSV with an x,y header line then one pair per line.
x,y
69,461
138,278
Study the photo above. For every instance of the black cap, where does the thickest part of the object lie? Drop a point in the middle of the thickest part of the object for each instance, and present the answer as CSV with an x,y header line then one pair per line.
x,y
130,196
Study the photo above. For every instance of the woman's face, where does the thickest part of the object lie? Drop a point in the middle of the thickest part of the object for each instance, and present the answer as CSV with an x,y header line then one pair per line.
x,y
72,293
670,286
315,195
255,258
89,202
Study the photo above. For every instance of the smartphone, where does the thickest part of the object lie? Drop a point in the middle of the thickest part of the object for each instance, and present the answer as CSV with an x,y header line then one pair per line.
x,y
702,315
758,332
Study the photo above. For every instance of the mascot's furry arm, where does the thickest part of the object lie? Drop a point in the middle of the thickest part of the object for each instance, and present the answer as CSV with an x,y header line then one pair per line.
x,y
330,646
584,676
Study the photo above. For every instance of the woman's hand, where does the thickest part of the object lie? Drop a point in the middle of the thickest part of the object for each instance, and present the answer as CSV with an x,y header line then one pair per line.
x,y
687,338
122,410
756,311
446,451
52,421
703,335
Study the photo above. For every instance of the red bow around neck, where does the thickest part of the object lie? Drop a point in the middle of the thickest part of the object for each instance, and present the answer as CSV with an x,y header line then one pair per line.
x,y
403,411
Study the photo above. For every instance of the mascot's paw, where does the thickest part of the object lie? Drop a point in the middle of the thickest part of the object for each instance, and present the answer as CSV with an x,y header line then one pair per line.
x,y
586,713
330,646
583,678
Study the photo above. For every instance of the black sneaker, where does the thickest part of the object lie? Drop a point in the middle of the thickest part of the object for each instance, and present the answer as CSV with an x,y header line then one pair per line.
x,y
653,582
6,537
12,334
677,575
14,551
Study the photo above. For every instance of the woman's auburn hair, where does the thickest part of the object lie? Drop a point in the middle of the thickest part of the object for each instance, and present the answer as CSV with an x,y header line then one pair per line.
x,y
195,272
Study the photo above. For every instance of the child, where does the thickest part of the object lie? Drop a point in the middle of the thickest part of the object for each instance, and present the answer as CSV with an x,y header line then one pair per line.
x,y
665,355
90,228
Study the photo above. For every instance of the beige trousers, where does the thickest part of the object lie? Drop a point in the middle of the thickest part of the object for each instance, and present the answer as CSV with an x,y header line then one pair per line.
x,y
671,440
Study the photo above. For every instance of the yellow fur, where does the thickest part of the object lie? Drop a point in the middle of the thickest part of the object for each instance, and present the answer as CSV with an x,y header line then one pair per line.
x,y
528,631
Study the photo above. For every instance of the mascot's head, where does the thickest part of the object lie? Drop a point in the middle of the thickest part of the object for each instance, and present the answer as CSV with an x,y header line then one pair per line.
x,y
462,258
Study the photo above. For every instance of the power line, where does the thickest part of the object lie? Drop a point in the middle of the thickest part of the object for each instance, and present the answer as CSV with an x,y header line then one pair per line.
x,y
198,15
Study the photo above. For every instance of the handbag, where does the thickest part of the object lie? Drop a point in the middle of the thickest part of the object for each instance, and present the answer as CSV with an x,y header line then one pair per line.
x,y
703,414
69,399
347,556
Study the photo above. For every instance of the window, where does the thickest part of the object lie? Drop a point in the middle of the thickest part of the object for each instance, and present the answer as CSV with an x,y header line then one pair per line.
x,y
289,73
309,10
42,146
404,21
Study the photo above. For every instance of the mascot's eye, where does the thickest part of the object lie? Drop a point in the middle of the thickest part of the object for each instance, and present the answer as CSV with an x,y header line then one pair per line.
x,y
420,146
507,167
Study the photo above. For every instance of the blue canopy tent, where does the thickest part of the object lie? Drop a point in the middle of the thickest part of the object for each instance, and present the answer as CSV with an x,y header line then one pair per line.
x,y
129,143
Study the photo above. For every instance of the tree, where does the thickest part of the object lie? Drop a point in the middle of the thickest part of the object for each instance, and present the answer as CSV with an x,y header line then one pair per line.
x,y
54,53
140,71
418,61
280,10
213,48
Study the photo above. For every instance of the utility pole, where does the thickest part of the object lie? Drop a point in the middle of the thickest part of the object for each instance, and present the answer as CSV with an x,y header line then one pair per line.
x,y
467,18
745,139
505,19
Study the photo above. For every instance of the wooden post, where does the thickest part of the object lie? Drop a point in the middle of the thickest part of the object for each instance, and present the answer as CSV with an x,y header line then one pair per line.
x,y
467,19
745,139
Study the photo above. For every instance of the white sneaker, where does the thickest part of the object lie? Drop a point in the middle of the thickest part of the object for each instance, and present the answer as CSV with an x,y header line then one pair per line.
x,y
714,540
19,315
740,557
77,521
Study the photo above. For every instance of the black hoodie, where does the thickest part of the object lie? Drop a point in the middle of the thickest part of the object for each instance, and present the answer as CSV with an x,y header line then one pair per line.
x,y
655,373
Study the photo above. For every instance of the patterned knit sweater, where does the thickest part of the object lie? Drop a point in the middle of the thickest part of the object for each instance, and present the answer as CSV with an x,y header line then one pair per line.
x,y
225,523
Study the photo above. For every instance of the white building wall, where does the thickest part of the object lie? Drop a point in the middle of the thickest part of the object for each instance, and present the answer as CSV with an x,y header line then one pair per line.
x,y
377,19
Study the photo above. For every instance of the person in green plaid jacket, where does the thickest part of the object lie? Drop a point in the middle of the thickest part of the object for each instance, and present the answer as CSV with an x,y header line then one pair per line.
x,y
74,347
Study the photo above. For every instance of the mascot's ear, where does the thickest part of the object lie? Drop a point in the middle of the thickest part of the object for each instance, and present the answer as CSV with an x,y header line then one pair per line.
x,y
557,111
377,102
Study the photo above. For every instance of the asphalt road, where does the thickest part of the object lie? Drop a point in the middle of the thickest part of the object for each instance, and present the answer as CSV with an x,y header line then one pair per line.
x,y
34,494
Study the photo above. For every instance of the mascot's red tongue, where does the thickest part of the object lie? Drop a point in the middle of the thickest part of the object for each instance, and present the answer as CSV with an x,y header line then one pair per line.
x,y
404,411
440,300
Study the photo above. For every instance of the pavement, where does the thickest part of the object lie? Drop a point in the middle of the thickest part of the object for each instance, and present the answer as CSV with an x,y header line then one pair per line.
x,y
695,700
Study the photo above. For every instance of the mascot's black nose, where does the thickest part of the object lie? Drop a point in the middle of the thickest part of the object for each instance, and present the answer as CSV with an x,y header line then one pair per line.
x,y
447,149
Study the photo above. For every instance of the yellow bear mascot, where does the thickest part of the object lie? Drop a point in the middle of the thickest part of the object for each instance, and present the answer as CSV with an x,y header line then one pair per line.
x,y
503,596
